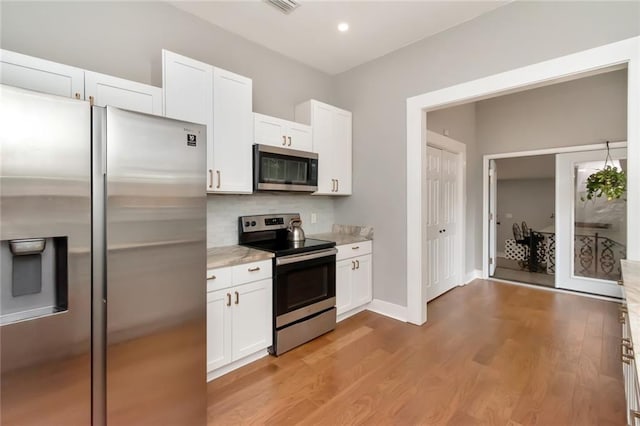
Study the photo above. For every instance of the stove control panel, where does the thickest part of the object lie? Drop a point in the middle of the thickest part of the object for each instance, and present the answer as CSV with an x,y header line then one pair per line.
x,y
266,222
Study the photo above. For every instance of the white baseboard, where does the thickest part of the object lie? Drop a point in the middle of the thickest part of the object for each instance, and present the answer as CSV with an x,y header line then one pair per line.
x,y
345,315
475,274
214,374
387,309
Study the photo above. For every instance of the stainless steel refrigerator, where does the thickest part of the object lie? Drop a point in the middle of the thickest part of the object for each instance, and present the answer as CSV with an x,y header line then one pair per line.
x,y
102,265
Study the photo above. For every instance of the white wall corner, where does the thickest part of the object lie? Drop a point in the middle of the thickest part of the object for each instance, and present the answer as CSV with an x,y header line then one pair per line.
x,y
387,309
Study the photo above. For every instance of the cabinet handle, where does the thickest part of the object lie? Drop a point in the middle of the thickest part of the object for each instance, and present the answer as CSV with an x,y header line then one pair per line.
x,y
626,342
77,95
623,309
337,185
621,318
333,185
257,268
228,299
355,247
353,265
635,414
237,297
284,140
620,282
210,178
211,277
219,179
289,137
91,100
357,264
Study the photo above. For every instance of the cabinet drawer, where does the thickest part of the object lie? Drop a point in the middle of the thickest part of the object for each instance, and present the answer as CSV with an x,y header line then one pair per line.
x,y
218,279
356,249
249,272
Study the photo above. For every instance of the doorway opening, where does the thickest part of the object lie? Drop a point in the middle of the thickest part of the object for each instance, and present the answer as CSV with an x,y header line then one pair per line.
x,y
522,216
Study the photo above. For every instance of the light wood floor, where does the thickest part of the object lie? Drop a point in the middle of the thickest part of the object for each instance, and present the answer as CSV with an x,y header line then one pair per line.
x,y
490,353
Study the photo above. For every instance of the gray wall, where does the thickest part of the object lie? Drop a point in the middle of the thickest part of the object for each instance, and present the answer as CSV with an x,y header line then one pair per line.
x,y
580,112
530,200
516,35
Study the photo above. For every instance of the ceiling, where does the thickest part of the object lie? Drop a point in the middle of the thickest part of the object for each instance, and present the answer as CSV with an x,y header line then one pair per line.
x,y
309,34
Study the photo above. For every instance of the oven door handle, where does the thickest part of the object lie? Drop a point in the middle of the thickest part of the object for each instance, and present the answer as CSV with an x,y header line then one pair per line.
x,y
295,258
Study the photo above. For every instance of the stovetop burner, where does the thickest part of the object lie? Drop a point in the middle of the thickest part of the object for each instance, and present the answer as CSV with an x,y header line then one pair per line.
x,y
284,247
269,233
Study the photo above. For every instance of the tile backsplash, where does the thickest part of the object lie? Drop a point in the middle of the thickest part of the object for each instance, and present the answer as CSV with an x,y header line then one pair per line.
x,y
223,212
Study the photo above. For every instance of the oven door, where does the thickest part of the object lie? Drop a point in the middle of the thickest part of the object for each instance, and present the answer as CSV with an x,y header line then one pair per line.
x,y
283,169
304,285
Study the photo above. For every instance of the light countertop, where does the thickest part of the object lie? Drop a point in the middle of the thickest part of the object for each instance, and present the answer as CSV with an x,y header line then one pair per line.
x,y
631,278
219,257
340,239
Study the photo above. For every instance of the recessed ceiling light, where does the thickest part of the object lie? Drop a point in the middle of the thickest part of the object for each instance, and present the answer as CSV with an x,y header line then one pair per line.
x,y
343,26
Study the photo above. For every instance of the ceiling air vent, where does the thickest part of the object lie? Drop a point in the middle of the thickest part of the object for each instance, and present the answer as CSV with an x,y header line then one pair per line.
x,y
285,6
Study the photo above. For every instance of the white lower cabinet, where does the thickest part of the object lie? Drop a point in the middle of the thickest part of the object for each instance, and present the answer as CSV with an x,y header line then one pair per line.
x,y
239,322
354,286
629,371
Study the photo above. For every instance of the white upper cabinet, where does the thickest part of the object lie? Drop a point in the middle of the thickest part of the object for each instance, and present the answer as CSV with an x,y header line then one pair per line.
x,y
278,132
231,156
187,85
198,92
49,77
332,140
103,90
41,75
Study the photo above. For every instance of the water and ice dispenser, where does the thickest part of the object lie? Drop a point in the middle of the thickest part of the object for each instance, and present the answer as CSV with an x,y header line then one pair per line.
x,y
34,278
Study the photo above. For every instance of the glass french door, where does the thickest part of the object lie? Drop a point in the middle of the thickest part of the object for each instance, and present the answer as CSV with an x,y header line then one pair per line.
x,y
590,235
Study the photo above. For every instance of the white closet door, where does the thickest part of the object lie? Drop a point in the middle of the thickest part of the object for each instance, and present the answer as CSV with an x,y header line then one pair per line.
x,y
442,221
449,220
434,222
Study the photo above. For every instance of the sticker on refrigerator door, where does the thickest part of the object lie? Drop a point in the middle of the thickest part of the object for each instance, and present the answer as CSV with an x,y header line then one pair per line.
x,y
191,139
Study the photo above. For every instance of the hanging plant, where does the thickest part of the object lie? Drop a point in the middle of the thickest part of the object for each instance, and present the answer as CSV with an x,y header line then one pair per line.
x,y
609,182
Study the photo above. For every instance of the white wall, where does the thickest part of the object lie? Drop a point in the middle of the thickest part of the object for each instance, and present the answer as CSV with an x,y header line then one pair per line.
x,y
518,34
530,200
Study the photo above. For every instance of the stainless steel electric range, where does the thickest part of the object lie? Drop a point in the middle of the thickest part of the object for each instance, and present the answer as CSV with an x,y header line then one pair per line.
x,y
304,279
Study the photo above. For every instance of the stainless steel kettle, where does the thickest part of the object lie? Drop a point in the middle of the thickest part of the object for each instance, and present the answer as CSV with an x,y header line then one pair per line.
x,y
296,233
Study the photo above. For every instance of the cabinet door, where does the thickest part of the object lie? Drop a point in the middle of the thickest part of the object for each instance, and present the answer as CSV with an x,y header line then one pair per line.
x,y
322,122
252,322
269,130
232,133
341,146
41,75
300,135
362,284
344,285
187,87
218,328
108,90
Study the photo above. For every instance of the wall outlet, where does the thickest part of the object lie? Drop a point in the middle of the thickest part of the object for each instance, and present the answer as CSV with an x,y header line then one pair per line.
x,y
314,218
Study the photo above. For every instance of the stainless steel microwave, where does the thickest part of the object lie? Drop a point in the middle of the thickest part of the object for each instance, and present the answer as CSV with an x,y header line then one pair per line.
x,y
283,169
